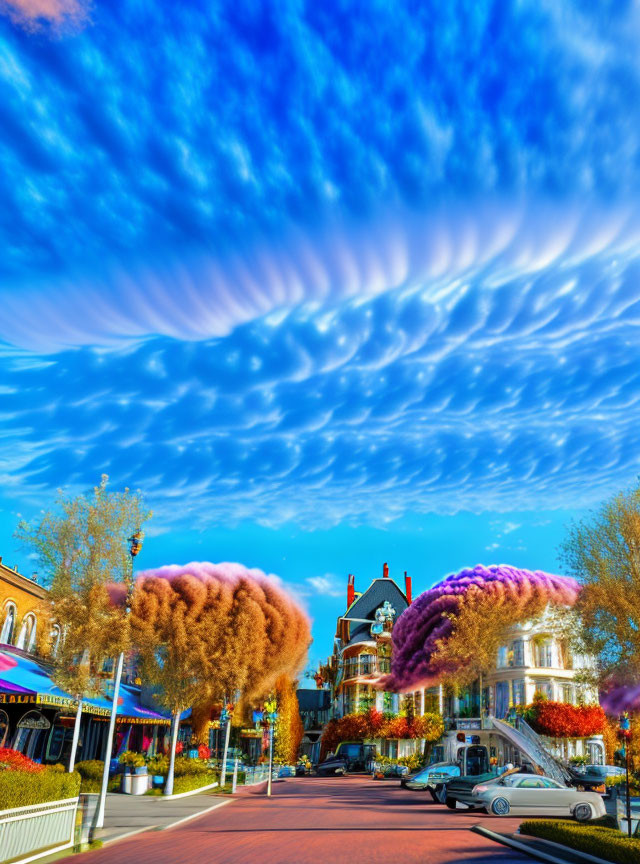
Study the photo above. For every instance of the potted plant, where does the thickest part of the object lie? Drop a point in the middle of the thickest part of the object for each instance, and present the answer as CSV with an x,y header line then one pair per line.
x,y
134,780
134,763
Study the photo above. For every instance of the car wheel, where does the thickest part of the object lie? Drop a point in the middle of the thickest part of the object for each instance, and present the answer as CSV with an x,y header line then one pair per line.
x,y
441,794
450,802
432,792
500,807
582,812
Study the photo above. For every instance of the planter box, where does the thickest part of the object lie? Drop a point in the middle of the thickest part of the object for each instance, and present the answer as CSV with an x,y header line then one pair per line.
x,y
39,829
135,784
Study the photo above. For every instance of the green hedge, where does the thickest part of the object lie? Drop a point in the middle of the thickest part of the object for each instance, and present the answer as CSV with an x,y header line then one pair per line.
x,y
20,788
607,843
91,773
189,782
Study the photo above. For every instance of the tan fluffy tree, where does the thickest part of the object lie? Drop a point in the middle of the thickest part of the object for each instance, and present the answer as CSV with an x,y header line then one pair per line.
x,y
207,631
83,552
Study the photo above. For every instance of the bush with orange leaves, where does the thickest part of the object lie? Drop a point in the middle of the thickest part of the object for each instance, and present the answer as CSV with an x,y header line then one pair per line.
x,y
564,720
375,725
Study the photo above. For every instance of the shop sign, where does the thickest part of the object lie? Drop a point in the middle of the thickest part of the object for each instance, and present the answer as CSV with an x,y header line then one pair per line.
x,y
34,720
251,733
17,698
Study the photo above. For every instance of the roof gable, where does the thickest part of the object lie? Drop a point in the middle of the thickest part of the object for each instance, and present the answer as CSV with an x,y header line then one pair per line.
x,y
375,595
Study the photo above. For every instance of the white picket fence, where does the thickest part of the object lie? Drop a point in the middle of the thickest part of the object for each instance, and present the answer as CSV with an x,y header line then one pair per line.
x,y
38,829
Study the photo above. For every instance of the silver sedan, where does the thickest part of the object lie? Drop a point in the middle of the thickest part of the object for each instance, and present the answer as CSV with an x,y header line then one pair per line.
x,y
533,795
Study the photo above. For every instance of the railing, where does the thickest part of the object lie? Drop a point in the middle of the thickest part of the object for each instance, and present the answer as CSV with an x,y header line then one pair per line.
x,y
547,762
355,668
257,774
29,830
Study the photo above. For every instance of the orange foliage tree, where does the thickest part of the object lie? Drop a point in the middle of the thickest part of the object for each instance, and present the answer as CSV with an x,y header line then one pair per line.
x,y
204,631
373,724
289,729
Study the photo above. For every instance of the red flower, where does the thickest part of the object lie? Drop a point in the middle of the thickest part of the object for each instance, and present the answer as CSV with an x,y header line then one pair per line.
x,y
204,752
179,747
11,760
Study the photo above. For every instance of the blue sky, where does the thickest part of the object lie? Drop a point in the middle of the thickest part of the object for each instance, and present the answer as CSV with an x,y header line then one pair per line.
x,y
332,283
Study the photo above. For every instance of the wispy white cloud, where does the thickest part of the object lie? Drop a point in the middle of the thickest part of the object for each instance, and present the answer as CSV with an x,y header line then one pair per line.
x,y
300,265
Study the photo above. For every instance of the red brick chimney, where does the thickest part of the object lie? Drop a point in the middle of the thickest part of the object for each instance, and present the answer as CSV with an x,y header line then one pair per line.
x,y
407,587
385,570
351,590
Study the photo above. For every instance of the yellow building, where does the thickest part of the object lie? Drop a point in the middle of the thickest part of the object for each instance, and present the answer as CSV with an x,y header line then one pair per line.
x,y
24,619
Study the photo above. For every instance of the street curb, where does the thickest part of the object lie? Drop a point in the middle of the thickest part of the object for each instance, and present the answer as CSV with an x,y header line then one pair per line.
x,y
109,840
198,814
508,840
189,793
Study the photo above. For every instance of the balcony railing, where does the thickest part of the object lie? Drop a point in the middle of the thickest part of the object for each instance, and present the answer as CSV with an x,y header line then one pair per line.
x,y
357,667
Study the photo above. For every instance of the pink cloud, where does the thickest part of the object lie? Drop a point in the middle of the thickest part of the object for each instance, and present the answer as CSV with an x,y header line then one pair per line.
x,y
33,14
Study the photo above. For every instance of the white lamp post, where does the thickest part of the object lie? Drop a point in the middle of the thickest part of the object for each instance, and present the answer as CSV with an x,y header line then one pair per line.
x,y
135,545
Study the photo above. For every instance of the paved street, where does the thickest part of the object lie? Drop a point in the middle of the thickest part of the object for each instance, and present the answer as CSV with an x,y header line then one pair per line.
x,y
341,821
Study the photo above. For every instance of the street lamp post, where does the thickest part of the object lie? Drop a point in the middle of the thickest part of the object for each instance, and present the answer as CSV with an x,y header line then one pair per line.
x,y
625,735
272,716
135,545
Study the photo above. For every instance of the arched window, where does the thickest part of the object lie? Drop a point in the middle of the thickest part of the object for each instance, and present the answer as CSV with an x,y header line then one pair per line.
x,y
27,637
4,727
55,639
9,625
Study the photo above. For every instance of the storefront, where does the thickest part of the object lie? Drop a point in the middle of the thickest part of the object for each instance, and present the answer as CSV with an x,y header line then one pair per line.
x,y
38,719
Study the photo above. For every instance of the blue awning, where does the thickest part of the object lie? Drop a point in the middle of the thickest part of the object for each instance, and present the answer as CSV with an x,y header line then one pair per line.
x,y
25,680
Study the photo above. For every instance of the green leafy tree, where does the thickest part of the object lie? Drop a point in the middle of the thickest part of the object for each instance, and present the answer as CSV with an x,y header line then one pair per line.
x,y
603,553
83,552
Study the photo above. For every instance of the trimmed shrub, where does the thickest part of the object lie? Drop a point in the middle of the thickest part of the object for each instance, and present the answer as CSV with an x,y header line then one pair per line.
x,y
91,773
564,720
21,788
189,782
607,843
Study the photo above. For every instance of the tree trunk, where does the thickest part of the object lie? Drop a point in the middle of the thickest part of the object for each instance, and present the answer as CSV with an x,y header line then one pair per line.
x,y
76,735
168,786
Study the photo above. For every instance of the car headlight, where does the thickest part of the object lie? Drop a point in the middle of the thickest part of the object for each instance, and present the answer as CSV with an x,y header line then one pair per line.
x,y
478,789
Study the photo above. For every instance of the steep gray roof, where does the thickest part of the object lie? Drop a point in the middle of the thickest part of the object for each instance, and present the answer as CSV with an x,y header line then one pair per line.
x,y
365,607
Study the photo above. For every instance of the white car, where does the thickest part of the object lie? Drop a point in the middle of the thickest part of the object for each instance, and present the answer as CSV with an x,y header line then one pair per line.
x,y
533,795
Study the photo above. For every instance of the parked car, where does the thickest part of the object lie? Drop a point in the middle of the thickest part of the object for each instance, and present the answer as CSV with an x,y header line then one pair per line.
x,y
350,756
533,795
459,789
389,772
592,778
430,775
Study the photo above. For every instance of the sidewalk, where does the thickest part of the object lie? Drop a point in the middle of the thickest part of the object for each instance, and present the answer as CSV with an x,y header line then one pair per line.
x,y
130,814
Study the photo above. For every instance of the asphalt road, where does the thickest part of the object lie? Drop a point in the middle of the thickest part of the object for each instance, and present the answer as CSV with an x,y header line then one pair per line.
x,y
350,820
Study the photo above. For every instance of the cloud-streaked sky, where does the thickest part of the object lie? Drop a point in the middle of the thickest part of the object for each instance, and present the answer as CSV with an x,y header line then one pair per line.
x,y
299,268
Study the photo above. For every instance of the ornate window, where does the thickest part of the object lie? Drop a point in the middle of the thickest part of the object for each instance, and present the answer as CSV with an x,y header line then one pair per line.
x,y
9,624
27,637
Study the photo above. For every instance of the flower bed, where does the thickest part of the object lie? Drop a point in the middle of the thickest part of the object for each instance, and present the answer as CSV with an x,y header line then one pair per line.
x,y
607,843
24,782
